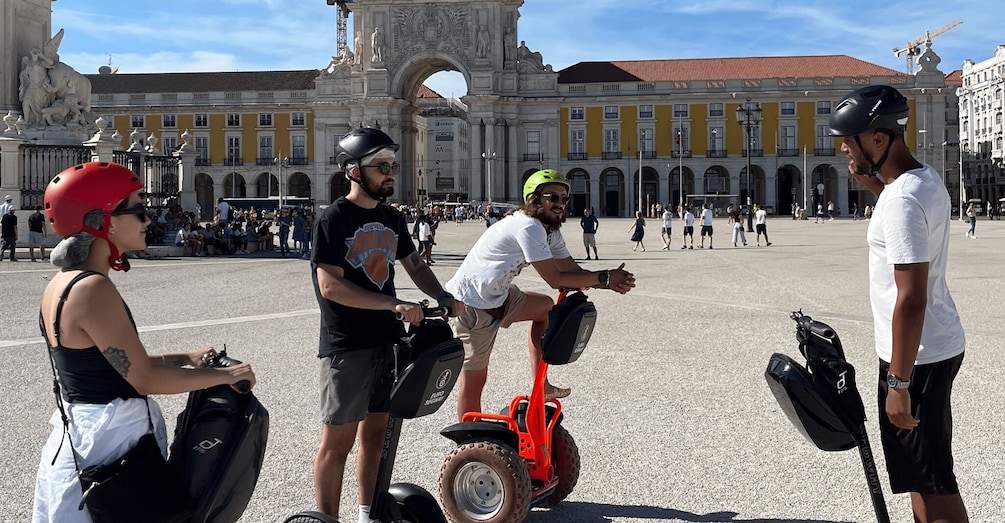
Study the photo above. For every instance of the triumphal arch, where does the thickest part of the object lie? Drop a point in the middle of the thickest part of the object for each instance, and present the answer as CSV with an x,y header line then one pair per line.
x,y
397,44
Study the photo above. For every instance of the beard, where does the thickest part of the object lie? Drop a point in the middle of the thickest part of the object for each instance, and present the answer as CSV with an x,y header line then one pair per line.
x,y
380,192
549,219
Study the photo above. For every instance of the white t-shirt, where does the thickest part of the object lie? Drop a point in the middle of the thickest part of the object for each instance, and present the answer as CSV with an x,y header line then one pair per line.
x,y
760,215
706,218
910,224
224,209
483,279
180,237
688,219
667,219
425,233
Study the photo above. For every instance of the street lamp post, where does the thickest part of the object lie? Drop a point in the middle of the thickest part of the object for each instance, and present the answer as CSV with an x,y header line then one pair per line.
x,y
924,145
489,158
641,146
282,166
749,117
680,162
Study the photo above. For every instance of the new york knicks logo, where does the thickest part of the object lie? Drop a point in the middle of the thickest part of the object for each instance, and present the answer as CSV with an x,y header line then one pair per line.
x,y
372,248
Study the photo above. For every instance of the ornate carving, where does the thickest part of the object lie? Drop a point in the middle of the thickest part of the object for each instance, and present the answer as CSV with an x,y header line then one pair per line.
x,y
528,61
51,92
446,29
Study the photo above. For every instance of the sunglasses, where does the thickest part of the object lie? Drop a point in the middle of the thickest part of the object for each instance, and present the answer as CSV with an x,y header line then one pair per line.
x,y
139,211
555,198
386,168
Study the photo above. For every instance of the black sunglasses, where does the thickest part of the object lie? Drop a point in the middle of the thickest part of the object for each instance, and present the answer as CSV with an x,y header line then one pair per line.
x,y
386,168
555,198
139,211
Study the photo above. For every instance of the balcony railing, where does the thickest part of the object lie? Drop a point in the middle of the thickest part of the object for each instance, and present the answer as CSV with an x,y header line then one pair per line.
x,y
577,156
648,154
686,153
233,161
203,161
265,161
614,155
788,152
754,153
823,151
718,153
298,161
531,157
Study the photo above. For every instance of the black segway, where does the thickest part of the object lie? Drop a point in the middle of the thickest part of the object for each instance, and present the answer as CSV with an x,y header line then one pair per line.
x,y
428,363
822,400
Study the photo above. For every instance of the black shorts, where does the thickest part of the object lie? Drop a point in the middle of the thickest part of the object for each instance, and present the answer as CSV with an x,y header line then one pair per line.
x,y
689,230
356,383
921,460
761,228
706,230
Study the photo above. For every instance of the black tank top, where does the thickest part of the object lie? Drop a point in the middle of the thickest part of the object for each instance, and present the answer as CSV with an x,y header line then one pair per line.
x,y
84,374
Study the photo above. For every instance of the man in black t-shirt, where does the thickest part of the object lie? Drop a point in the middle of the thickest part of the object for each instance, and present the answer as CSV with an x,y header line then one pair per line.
x,y
356,242
8,232
36,233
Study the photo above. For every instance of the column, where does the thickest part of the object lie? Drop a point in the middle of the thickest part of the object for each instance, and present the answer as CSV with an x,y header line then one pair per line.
x,y
493,173
513,177
476,189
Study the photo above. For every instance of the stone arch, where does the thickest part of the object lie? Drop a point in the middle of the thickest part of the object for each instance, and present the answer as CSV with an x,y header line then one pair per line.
x,y
266,185
824,174
789,188
675,185
204,196
412,72
650,188
298,185
234,186
579,179
717,180
612,192
756,185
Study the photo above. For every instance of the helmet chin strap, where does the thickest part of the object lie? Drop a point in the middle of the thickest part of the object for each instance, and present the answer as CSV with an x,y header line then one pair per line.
x,y
118,261
875,166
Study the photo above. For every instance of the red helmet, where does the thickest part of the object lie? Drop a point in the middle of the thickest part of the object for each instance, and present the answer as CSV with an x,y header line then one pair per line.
x,y
83,188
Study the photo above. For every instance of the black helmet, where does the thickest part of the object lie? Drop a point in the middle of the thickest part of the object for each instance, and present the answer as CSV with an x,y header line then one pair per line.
x,y
359,143
870,108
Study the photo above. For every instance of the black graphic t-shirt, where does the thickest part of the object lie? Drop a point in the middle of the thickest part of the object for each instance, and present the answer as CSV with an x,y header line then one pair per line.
x,y
364,243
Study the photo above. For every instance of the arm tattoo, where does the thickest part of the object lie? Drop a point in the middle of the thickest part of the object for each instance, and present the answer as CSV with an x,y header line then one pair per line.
x,y
414,258
118,360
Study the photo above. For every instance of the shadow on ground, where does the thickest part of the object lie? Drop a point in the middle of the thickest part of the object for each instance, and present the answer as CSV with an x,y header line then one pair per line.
x,y
605,513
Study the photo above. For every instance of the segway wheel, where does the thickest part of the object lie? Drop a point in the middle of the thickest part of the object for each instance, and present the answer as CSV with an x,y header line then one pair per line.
x,y
416,504
565,459
310,516
485,481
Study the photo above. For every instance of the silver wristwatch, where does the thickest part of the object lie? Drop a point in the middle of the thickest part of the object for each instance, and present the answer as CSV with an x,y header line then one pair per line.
x,y
896,383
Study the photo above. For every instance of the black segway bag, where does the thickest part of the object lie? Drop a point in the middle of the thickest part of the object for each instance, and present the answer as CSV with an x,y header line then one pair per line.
x,y
429,364
219,447
570,325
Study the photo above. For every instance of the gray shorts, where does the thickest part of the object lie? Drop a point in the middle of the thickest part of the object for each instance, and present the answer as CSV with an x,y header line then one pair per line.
x,y
477,328
35,239
355,383
590,240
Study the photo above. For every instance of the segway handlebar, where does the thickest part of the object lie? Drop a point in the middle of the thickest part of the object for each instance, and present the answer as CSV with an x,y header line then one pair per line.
x,y
220,359
808,325
428,312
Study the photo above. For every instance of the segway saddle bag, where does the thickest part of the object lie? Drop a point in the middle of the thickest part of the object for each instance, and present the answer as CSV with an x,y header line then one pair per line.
x,y
219,446
809,405
426,382
570,325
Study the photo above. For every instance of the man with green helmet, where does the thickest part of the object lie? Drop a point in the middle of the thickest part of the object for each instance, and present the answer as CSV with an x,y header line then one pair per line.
x,y
530,235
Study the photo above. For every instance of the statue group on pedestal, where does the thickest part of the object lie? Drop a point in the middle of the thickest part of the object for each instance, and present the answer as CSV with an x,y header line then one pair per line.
x,y
51,92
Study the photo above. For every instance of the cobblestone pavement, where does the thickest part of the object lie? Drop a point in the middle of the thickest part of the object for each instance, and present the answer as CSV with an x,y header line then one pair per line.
x,y
669,407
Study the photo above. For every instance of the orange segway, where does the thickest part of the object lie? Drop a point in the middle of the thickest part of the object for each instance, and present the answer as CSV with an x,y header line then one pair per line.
x,y
506,463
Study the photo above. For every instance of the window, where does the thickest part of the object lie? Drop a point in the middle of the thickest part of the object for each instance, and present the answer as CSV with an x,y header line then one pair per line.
x,y
715,138
681,140
534,143
201,120
298,119
715,109
611,112
299,148
645,111
138,121
680,110
788,109
202,147
169,144
823,107
788,141
825,144
611,142
169,120
577,113
265,150
577,141
233,120
265,119
233,148
646,141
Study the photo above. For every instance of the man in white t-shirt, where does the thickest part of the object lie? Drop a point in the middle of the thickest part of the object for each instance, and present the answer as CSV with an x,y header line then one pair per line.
x,y
667,231
919,337
688,219
484,282
761,227
223,211
706,225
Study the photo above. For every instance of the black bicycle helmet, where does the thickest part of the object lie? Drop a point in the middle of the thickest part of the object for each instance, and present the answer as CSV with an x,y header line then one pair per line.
x,y
359,143
876,107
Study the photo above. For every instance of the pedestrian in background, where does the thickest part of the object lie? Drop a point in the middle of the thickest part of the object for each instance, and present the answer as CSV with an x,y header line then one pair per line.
x,y
8,233
590,226
972,218
639,226
37,232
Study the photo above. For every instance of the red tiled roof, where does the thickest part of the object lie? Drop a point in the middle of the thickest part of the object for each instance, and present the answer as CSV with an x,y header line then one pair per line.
x,y
425,92
698,69
955,78
301,80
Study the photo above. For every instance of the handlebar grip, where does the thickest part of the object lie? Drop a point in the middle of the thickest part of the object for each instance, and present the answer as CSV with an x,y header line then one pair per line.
x,y
427,312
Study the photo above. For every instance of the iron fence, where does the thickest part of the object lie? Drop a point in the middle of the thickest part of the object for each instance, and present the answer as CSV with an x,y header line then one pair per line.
x,y
40,163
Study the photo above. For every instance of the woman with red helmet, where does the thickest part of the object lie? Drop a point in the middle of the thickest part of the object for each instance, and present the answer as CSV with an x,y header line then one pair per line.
x,y
104,372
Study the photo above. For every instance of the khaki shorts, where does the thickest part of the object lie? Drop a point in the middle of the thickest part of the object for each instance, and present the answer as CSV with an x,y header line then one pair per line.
x,y
477,328
590,240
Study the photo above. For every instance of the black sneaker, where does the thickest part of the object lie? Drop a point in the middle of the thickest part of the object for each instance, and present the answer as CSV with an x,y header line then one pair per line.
x,y
768,244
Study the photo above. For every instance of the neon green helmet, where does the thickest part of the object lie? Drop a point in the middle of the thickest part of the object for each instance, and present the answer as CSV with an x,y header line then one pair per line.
x,y
543,177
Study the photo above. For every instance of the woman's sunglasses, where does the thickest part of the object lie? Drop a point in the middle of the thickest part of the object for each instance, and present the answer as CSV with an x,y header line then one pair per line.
x,y
555,198
386,168
139,211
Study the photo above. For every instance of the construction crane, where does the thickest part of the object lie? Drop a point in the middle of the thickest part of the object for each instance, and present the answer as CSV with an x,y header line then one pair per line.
x,y
341,20
913,48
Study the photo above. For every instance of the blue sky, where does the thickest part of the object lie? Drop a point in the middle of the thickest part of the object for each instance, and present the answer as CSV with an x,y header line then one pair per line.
x,y
243,35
